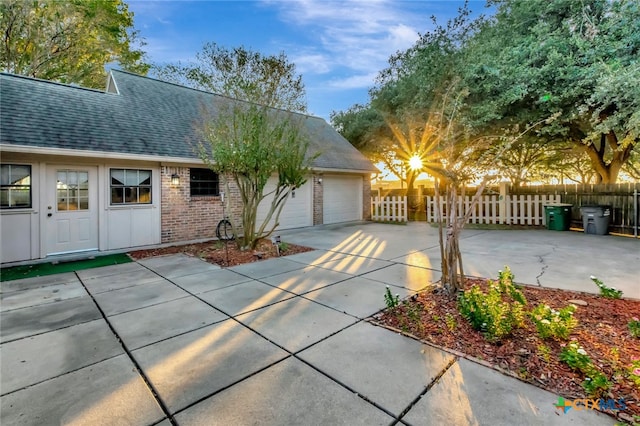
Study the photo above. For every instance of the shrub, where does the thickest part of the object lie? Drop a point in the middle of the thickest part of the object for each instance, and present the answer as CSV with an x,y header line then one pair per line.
x,y
634,327
554,324
595,383
496,312
605,291
391,300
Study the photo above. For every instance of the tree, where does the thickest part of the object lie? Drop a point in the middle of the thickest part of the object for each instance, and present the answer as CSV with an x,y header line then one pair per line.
x,y
241,74
68,41
254,135
250,143
578,60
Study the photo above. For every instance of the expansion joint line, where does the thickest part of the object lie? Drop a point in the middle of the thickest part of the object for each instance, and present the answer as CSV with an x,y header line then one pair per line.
x,y
144,377
429,386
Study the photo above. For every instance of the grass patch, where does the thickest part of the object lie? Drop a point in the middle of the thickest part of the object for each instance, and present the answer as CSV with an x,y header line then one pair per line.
x,y
42,269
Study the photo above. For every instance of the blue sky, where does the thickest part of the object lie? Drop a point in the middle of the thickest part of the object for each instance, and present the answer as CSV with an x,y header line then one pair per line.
x,y
338,46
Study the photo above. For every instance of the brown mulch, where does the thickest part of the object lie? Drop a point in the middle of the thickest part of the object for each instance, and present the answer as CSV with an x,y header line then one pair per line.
x,y
432,316
224,253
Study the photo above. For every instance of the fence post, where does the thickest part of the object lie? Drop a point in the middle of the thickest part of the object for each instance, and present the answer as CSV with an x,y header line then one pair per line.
x,y
504,191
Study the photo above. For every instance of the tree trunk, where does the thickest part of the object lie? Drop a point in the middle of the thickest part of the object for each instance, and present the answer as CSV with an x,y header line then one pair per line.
x,y
607,172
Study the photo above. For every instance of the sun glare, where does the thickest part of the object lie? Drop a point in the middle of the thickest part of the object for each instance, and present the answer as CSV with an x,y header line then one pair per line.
x,y
415,162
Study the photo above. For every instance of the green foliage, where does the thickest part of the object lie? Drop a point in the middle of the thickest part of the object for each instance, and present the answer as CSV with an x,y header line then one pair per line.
x,y
595,383
545,352
634,327
571,60
283,246
497,311
251,143
68,41
450,321
605,291
634,372
390,299
241,74
554,324
576,357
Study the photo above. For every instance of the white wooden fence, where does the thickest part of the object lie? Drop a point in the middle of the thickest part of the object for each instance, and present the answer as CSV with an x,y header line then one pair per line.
x,y
508,209
389,209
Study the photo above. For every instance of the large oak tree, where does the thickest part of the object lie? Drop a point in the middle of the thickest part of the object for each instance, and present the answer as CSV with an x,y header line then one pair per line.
x,y
68,41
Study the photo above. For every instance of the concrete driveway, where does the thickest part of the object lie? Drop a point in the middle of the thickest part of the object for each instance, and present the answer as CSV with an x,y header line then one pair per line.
x,y
174,340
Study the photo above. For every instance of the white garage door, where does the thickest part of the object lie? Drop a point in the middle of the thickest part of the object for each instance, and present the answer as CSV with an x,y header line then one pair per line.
x,y
297,211
341,199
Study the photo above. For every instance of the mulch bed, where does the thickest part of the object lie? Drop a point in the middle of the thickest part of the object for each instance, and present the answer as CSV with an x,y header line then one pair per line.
x,y
224,253
432,316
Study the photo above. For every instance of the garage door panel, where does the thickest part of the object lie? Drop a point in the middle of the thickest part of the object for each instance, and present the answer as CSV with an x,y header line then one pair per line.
x,y
342,199
297,211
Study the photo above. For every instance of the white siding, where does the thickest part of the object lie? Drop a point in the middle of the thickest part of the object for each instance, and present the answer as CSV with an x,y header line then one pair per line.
x,y
297,211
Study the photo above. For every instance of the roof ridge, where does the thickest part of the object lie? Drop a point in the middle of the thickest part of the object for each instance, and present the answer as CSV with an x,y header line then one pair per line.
x,y
210,93
52,82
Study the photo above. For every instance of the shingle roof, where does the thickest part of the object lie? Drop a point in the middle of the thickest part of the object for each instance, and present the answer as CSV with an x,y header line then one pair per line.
x,y
147,117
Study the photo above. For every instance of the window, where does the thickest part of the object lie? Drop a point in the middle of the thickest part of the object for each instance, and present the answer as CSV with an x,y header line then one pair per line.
x,y
130,186
15,186
204,182
72,190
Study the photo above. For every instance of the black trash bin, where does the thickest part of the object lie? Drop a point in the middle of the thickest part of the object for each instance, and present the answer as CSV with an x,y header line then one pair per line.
x,y
558,216
595,219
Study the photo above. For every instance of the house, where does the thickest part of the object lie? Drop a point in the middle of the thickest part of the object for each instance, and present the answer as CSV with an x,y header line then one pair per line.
x,y
86,170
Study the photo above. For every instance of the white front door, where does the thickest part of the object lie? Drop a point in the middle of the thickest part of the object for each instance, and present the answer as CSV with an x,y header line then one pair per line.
x,y
72,209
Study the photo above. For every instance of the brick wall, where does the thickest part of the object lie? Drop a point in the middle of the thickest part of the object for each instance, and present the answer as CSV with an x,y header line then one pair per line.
x,y
186,218
317,199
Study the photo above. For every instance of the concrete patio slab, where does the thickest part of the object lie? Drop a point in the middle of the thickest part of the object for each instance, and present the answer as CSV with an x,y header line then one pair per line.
x,y
109,392
35,282
178,265
307,279
470,394
266,268
117,281
410,277
149,325
316,257
540,257
140,296
355,265
105,271
244,297
313,322
287,393
210,280
381,241
34,320
192,366
40,295
389,369
31,360
357,296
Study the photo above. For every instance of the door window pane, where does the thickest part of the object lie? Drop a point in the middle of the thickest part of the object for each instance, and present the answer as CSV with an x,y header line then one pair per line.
x,y
68,192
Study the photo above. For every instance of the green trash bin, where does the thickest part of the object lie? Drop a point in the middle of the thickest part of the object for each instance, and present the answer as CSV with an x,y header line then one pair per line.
x,y
558,216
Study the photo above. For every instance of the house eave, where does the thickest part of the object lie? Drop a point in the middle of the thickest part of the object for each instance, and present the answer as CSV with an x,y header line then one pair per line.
x,y
24,149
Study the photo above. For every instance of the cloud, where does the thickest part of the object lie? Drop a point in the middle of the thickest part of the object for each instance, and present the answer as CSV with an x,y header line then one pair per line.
x,y
354,82
358,35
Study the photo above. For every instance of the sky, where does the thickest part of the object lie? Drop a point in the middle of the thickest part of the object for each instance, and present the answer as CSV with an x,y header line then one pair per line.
x,y
338,47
